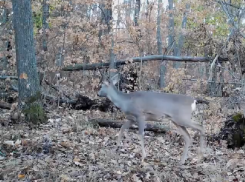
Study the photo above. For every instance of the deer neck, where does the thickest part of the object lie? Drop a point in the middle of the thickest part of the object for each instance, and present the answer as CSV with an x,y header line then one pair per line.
x,y
117,97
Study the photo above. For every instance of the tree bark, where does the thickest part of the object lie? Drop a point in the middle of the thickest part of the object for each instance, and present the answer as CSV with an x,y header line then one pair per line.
x,y
159,44
28,81
178,48
136,12
45,24
170,25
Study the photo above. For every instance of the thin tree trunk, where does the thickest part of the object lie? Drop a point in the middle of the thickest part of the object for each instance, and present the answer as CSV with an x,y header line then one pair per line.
x,y
170,26
106,16
112,60
3,21
159,43
136,12
159,37
45,24
178,48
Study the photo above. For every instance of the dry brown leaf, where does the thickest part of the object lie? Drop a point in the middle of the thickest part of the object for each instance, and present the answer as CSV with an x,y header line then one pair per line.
x,y
65,144
64,178
23,76
25,142
21,176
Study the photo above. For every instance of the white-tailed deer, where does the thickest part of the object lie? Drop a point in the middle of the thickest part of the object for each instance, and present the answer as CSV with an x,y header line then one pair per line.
x,y
144,106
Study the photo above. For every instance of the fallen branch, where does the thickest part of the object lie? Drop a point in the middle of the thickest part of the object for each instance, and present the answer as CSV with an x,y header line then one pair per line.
x,y
8,77
5,105
56,88
95,66
226,83
118,124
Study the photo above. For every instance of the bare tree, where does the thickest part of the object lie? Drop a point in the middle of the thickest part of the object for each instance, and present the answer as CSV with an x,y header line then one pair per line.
x,y
136,12
159,43
45,23
178,48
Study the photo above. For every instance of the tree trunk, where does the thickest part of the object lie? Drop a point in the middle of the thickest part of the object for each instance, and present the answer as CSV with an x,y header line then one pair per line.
x,y
127,9
5,44
45,24
213,78
112,59
159,37
159,43
28,82
106,16
179,47
170,26
136,12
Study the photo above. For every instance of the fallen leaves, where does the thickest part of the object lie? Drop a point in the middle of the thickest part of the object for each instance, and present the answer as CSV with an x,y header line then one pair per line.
x,y
66,144
91,154
21,176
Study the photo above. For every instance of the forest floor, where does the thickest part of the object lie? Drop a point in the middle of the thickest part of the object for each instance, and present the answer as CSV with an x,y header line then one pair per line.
x,y
69,148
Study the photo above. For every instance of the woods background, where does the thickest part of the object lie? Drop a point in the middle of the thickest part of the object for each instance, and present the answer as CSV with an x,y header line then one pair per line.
x,y
193,47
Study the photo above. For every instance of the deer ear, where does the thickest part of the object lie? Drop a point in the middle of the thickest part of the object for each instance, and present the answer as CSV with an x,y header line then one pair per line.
x,y
115,79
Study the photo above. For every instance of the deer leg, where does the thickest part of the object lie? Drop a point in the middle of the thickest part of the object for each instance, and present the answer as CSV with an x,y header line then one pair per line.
x,y
126,125
199,127
186,121
141,125
187,140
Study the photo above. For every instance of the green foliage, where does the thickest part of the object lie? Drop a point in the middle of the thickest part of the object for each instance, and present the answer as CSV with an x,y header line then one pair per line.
x,y
51,8
237,117
218,20
34,98
34,112
37,21
190,24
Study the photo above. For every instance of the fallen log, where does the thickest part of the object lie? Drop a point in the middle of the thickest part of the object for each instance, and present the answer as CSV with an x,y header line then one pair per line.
x,y
4,77
118,124
5,105
78,67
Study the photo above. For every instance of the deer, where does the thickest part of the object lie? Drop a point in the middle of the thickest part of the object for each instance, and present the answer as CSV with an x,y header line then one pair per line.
x,y
142,106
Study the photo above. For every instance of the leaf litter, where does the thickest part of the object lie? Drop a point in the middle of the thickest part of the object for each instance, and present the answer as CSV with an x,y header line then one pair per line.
x,y
69,148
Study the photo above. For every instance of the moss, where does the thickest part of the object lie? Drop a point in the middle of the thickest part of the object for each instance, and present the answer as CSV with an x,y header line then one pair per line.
x,y
237,117
33,111
37,21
